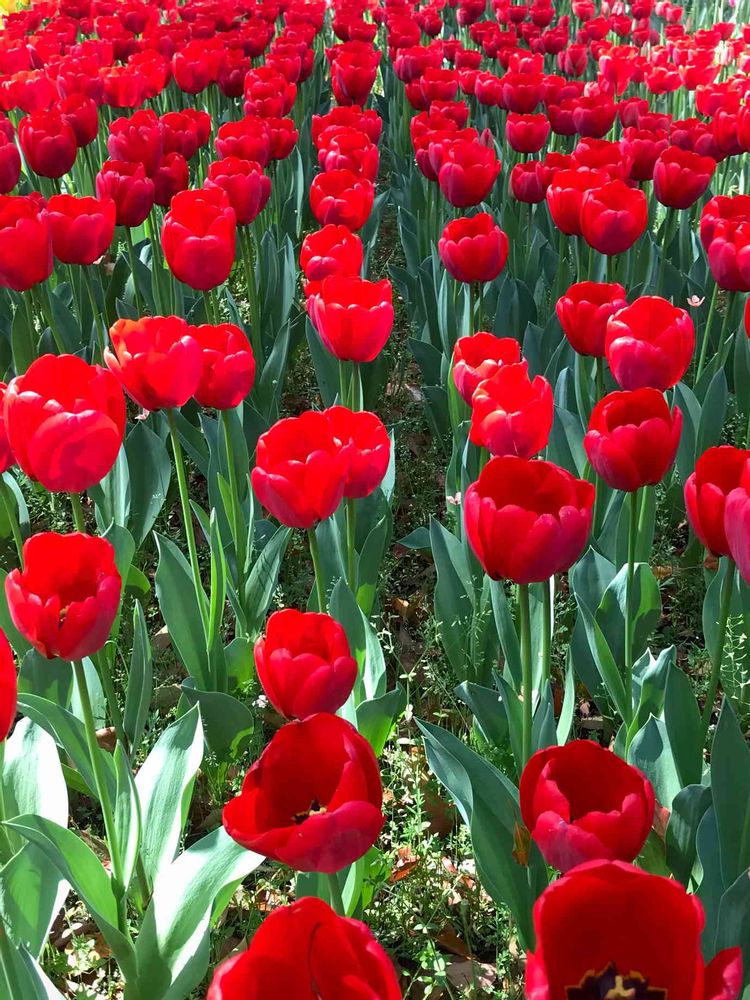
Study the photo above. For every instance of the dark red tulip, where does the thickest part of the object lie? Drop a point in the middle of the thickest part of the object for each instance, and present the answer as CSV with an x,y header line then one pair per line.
x,y
511,414
228,365
247,139
718,471
244,183
722,214
332,250
565,197
367,121
137,139
468,173
643,148
526,133
10,164
129,187
283,135
729,256
353,317
156,360
681,177
82,228
65,599
349,149
579,954
364,438
82,114
199,238
479,357
304,663
341,198
633,438
307,952
737,523
583,312
613,217
8,687
301,470
65,421
170,178
25,242
526,182
543,508
649,343
48,143
313,799
473,249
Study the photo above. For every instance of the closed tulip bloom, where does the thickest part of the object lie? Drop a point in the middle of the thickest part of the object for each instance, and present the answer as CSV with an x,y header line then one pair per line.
x,y
364,438
353,317
25,242
526,182
65,421
512,414
129,187
307,952
583,312
723,213
479,357
649,343
681,177
246,186
718,471
301,470
527,133
8,687
228,365
137,139
313,799
473,249
729,257
632,438
48,143
565,197
643,148
328,252
581,803
341,198
304,663
247,139
350,149
156,360
7,458
82,228
82,114
170,177
737,523
468,173
580,954
613,217
527,519
283,137
65,599
199,238
10,164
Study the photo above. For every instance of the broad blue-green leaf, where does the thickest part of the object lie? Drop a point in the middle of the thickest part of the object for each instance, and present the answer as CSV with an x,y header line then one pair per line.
x,y
263,579
227,723
652,753
150,470
363,641
688,808
730,784
22,974
127,815
181,611
140,680
683,721
376,717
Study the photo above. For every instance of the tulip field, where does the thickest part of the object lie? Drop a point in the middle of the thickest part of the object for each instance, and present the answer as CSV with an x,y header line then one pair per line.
x,y
374,499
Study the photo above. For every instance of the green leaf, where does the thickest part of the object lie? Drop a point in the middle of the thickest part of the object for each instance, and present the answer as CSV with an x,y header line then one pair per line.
x,y
377,717
263,579
181,612
652,753
506,629
227,723
646,610
733,924
688,808
22,974
140,680
127,815
683,721
489,713
52,679
150,470
363,641
730,783
165,785
454,591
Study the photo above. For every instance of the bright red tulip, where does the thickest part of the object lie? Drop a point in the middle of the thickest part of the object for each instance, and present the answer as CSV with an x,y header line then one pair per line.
x,y
48,143
8,687
729,257
681,177
156,360
341,198
137,139
479,357
468,173
565,197
25,242
737,523
82,228
526,182
649,343
10,164
613,217
353,317
473,249
7,458
199,238
328,252
512,414
170,178
132,191
244,183
228,365
583,312
362,435
526,133
247,139
718,472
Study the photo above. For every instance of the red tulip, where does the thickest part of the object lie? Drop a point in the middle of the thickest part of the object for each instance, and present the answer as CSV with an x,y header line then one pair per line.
x,y
82,114
199,238
473,249
729,256
244,183
137,139
10,164
247,139
313,799
268,93
228,365
527,519
283,137
353,317
718,472
305,951
468,173
341,198
526,133
633,438
8,687
479,357
328,252
363,437
7,458
721,214
25,242
301,470
156,360
304,663
648,944
649,343
613,217
129,187
643,148
65,421
368,121
583,312
565,197
681,177
65,599
48,143
526,182
581,803
170,178
512,414
349,149
82,228
737,523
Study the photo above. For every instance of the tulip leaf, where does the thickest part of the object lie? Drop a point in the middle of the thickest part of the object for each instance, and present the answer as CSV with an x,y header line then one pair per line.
x,y
23,338
150,471
140,680
22,973
165,785
227,722
683,721
691,418
52,679
730,783
652,753
112,495
733,923
713,413
688,809
454,598
711,887
263,579
127,814
363,642
376,717
489,713
181,612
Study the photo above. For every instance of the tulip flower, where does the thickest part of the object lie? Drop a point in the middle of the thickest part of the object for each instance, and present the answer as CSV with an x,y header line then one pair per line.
x,y
479,357
565,197
718,472
65,599
737,523
82,114
304,663
330,251
10,164
7,458
170,178
137,139
583,312
364,438
353,317
349,149
228,365
132,191
156,360
649,343
613,217
82,228
526,133
199,238
729,257
681,177
8,688
48,143
581,803
25,242
526,182
306,950
473,249
512,414
632,438
468,173
341,198
244,183
579,954
65,422
247,139
312,800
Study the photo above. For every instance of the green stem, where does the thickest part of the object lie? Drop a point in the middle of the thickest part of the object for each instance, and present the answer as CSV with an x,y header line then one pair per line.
x,y
629,610
237,521
78,516
707,331
6,848
101,660
118,882
132,259
526,669
208,306
9,506
668,237
343,393
351,544
729,308
29,307
547,622
315,554
187,516
335,897
101,331
356,387
472,306
717,654
248,262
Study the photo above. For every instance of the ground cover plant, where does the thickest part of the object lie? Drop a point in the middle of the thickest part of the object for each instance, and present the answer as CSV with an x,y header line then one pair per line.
x,y
375,500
